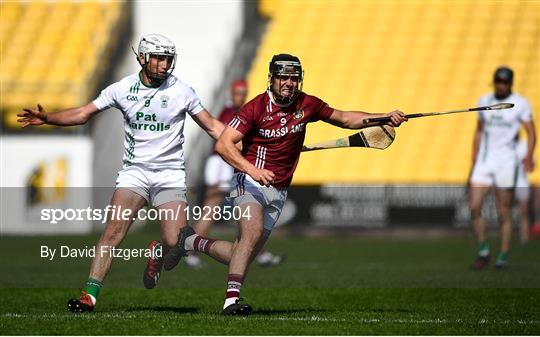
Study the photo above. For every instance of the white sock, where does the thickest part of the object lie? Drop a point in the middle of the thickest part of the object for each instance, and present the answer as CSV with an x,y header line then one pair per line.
x,y
188,244
229,301
264,257
93,299
484,252
193,261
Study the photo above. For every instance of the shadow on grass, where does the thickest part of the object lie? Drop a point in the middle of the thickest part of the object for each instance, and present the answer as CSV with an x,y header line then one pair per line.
x,y
278,312
166,309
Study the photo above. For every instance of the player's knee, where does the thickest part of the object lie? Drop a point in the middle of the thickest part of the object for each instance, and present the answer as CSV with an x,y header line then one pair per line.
x,y
504,211
506,218
476,212
252,236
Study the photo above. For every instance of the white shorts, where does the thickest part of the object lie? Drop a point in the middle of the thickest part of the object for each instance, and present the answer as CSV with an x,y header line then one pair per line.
x,y
272,199
498,174
523,190
218,172
157,186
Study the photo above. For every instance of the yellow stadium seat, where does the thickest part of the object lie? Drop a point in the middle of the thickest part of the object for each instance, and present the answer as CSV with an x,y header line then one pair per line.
x,y
415,56
50,49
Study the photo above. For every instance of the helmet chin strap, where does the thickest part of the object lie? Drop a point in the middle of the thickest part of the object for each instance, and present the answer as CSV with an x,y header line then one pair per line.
x,y
279,98
153,76
501,97
156,79
282,100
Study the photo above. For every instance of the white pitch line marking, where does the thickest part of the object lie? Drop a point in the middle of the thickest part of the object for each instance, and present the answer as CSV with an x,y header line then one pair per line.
x,y
283,318
398,320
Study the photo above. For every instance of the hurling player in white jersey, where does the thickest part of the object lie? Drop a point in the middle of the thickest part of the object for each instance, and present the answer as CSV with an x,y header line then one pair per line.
x,y
496,161
154,103
523,195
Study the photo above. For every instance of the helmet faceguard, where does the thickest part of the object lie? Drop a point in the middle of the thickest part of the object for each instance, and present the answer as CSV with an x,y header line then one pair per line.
x,y
285,65
156,45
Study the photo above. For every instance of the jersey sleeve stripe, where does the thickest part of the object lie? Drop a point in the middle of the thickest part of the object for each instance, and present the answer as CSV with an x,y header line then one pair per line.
x,y
261,156
234,123
258,154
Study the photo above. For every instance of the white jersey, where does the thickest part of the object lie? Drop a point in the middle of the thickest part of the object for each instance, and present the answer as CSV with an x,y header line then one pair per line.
x,y
501,127
153,119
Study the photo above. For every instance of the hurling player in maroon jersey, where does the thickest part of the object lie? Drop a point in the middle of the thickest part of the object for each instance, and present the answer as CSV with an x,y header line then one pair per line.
x,y
217,178
272,128
218,173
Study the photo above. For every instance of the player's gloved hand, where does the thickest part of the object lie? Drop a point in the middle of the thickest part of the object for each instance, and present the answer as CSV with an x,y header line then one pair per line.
x,y
528,163
396,118
262,176
33,117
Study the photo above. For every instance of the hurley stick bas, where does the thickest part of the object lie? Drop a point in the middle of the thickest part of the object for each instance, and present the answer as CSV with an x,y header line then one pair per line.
x,y
375,137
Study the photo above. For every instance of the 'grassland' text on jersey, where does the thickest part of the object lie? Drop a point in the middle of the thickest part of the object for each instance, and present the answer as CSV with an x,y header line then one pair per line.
x,y
274,134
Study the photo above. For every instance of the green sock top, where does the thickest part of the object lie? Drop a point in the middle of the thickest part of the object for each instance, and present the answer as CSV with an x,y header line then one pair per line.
x,y
503,256
93,286
483,247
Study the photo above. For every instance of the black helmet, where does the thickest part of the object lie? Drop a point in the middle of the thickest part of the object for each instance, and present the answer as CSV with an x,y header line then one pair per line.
x,y
285,64
504,74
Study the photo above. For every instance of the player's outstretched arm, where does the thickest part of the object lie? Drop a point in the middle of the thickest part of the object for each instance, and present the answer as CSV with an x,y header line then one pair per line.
x,y
355,119
227,149
69,117
528,161
211,125
476,139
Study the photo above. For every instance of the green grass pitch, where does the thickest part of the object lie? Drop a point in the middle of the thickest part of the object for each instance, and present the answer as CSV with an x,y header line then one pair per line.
x,y
344,285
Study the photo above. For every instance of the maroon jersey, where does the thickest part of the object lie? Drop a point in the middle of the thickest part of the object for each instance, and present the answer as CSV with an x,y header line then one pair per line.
x,y
274,135
225,117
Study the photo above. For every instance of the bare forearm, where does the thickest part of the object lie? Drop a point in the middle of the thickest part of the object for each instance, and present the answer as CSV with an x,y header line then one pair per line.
x,y
477,139
476,145
356,119
232,155
216,130
531,143
74,116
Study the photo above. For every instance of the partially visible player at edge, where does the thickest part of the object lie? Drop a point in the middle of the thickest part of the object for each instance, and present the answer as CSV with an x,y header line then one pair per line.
x,y
272,129
217,177
496,162
154,104
523,194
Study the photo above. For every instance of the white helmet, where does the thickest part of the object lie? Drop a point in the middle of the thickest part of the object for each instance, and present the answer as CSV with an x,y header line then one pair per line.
x,y
157,44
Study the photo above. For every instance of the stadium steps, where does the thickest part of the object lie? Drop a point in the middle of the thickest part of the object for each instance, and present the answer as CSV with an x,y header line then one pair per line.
x,y
412,56
54,53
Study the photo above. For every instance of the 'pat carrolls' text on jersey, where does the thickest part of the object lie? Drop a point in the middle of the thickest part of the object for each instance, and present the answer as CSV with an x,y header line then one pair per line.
x,y
153,119
501,127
